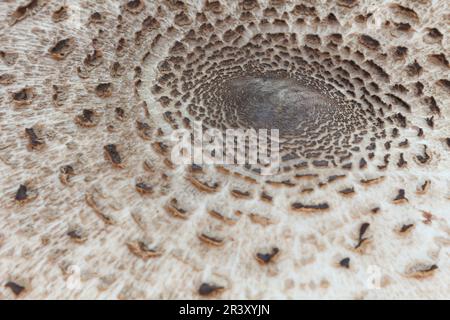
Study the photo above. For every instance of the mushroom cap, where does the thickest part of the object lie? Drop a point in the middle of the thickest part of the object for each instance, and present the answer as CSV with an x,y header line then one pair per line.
x,y
95,204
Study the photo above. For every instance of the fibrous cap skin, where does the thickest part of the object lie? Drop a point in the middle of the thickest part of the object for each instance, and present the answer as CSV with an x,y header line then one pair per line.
x,y
94,207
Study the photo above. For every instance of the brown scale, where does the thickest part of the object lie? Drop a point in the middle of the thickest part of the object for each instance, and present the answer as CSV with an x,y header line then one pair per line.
x,y
211,240
347,192
420,271
181,20
144,188
433,36
308,176
9,58
418,86
77,235
23,97
144,129
375,210
25,10
92,203
404,12
34,142
117,70
345,263
104,90
355,68
439,59
423,158
401,120
161,148
362,163
420,132
266,197
385,161
135,6
431,102
169,164
60,94
399,101
298,206
369,42
303,10
213,6
87,119
361,239
164,101
62,48
400,197
260,219
173,208
266,258
7,79
270,12
142,250
16,288
210,290
94,59
25,193
399,88
66,173
445,84
399,52
347,166
312,39
414,69
331,19
120,47
21,194
402,163
278,184
241,194
320,163
423,188
203,186
307,190
362,18
96,18
219,216
61,14
345,158
288,183
369,182
378,70
406,228
112,154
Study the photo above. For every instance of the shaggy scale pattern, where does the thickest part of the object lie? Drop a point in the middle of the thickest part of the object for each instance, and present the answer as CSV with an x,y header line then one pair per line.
x,y
91,91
